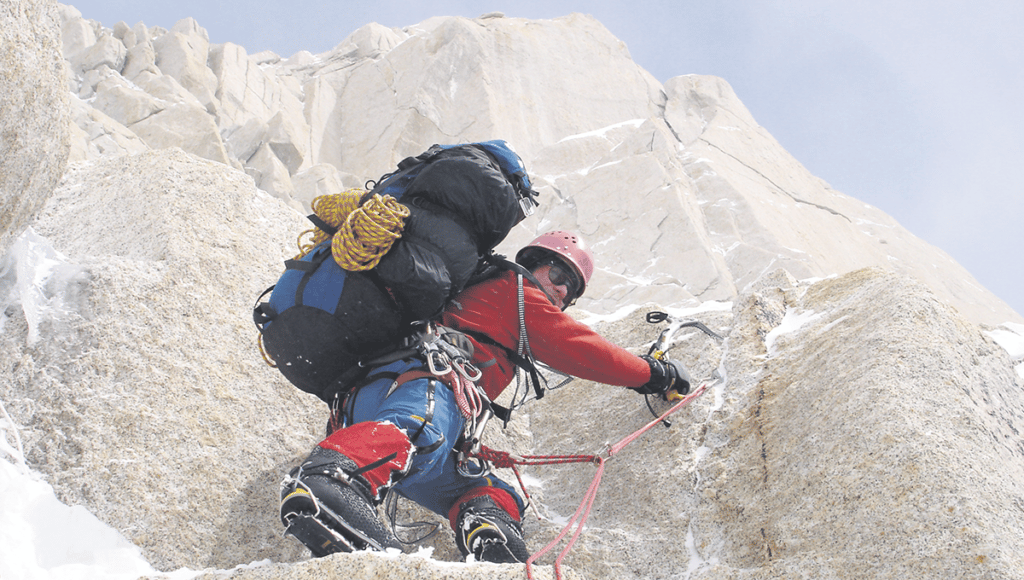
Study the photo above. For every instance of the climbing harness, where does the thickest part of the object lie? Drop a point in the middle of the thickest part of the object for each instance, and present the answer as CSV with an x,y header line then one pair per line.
x,y
451,365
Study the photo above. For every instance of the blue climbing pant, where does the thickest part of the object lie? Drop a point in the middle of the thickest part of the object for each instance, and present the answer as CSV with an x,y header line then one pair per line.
x,y
425,409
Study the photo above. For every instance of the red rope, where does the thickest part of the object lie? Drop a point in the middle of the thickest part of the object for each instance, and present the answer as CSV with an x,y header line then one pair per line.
x,y
504,459
507,460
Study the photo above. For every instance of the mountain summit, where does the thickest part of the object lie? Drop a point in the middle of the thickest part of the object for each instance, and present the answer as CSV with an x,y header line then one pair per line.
x,y
862,413
714,199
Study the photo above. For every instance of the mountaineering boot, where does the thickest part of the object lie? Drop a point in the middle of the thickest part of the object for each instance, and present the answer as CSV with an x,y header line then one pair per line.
x,y
326,505
489,533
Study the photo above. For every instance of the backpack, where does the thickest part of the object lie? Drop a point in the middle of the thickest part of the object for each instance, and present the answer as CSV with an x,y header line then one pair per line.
x,y
321,320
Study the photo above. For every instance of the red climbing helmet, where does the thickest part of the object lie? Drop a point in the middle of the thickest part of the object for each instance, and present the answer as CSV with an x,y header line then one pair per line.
x,y
567,246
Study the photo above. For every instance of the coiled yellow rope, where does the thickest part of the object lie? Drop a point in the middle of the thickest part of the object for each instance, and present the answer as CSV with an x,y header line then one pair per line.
x,y
368,233
365,232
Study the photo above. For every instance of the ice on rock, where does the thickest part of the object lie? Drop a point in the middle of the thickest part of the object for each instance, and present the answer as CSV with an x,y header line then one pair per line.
x,y
39,280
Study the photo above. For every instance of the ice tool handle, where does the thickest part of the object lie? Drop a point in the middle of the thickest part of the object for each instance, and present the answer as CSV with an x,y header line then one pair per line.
x,y
663,344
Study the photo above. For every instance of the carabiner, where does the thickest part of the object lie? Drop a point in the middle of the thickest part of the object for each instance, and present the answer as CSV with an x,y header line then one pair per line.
x,y
465,368
435,358
464,468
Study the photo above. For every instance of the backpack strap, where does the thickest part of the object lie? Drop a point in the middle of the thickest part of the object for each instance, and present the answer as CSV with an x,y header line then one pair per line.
x,y
262,312
524,339
397,181
322,225
527,364
493,264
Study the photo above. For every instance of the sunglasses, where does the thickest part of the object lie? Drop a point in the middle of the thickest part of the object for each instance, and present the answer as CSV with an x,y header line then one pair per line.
x,y
561,275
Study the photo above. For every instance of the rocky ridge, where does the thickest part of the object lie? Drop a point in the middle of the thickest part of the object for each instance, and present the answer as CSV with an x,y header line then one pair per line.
x,y
711,194
34,116
856,425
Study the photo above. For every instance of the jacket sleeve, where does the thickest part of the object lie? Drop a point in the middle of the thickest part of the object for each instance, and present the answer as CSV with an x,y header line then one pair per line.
x,y
559,341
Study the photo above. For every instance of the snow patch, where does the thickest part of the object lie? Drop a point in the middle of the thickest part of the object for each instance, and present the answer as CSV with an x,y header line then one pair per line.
x,y
725,251
832,324
698,455
587,170
723,379
635,123
814,280
591,319
791,322
696,562
44,539
709,306
1011,338
531,481
861,221
631,280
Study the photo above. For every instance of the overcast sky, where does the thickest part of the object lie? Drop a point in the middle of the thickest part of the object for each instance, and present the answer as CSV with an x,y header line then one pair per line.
x,y
913,106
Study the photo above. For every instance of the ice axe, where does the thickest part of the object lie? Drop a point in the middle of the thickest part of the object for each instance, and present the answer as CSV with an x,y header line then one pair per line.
x,y
659,350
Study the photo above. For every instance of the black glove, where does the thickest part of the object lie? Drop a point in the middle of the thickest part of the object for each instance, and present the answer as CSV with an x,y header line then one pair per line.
x,y
665,376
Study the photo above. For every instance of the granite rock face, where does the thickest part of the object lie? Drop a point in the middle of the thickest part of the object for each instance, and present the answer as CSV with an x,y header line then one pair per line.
x,y
861,419
861,429
136,377
34,112
714,200
856,423
370,565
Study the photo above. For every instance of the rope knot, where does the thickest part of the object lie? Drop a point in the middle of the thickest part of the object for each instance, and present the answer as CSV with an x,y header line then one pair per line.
x,y
500,459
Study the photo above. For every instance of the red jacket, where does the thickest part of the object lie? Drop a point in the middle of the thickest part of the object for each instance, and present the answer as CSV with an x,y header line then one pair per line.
x,y
492,308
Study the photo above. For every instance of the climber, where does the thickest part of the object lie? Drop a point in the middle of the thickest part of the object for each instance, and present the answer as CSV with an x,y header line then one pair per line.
x,y
400,430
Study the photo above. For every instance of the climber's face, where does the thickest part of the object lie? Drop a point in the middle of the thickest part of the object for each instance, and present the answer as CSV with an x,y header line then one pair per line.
x,y
557,279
